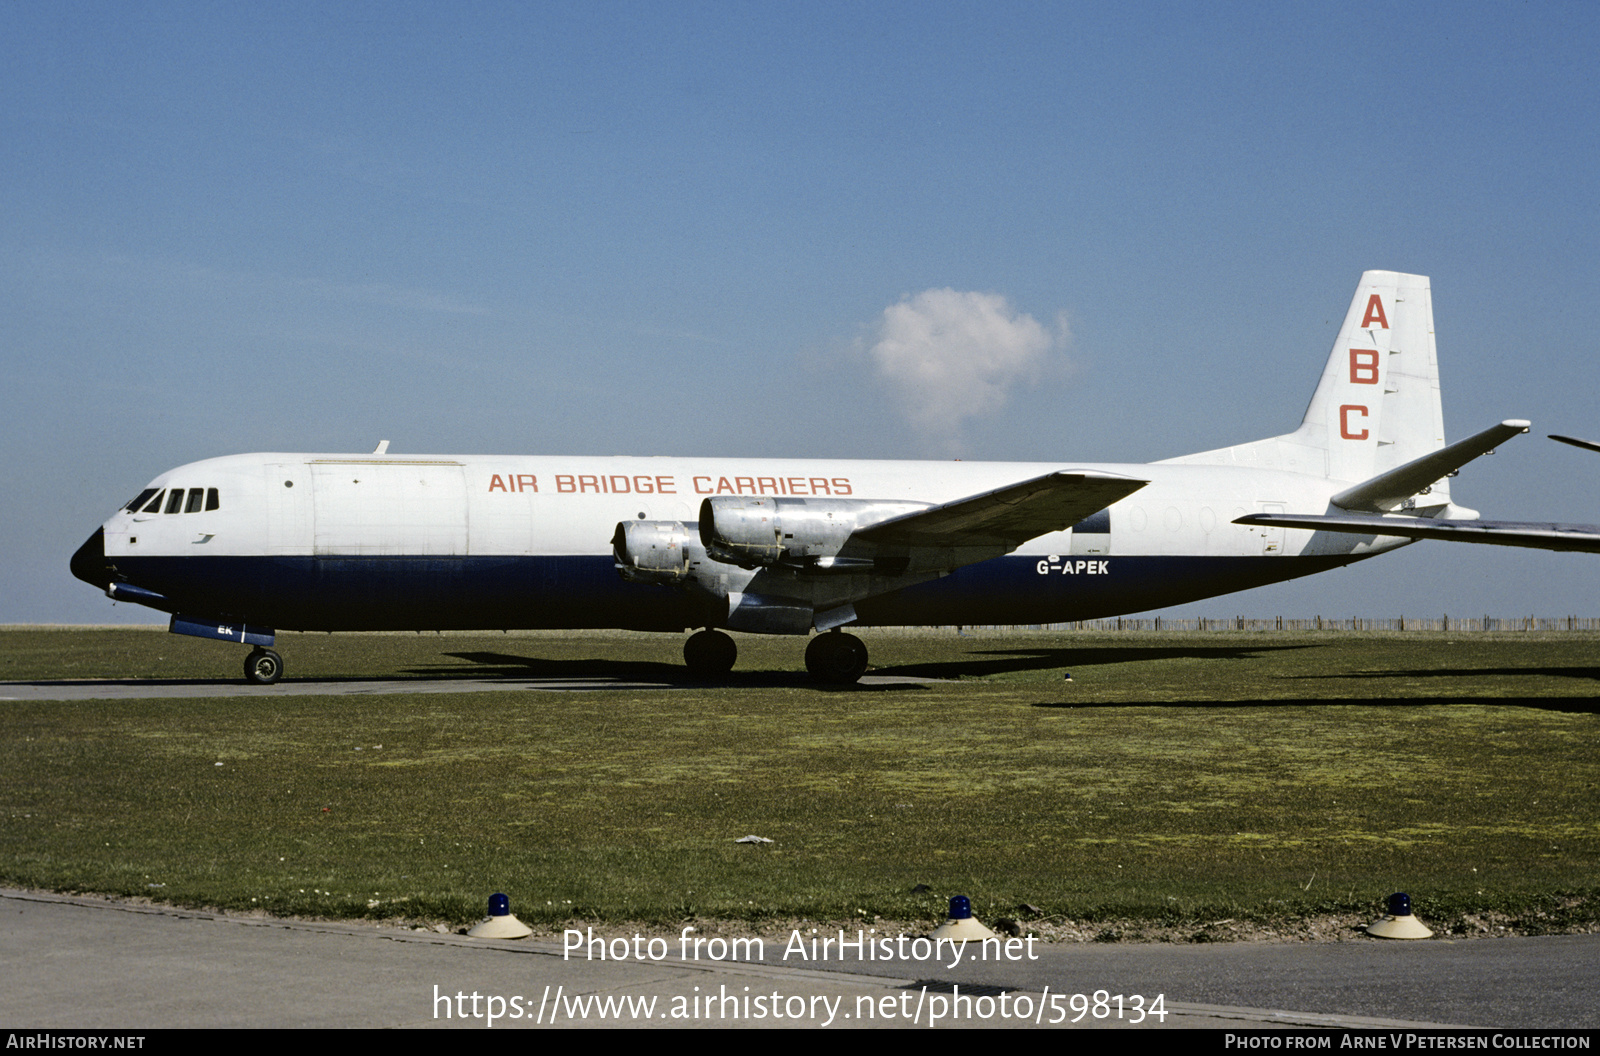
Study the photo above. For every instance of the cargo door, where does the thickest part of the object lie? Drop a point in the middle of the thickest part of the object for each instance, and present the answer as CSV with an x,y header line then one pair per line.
x,y
390,507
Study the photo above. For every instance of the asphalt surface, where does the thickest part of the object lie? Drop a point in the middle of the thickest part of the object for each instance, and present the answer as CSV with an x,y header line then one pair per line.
x,y
89,964
1530,983
142,688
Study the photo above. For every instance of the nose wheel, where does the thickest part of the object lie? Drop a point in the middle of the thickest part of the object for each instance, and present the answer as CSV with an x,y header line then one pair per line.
x,y
263,667
836,658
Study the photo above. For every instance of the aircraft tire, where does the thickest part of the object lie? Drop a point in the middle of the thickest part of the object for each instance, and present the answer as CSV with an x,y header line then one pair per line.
x,y
710,653
263,667
836,658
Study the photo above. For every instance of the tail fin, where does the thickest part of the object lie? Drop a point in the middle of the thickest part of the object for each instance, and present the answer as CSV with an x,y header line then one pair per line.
x,y
1377,406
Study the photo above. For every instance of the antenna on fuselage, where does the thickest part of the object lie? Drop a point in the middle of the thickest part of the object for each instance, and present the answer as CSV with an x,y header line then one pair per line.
x,y
383,448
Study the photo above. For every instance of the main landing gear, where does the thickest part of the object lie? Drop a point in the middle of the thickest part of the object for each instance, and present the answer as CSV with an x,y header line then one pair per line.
x,y
836,658
709,654
263,667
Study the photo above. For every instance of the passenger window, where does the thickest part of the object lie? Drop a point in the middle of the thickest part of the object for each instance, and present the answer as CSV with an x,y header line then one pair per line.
x,y
197,496
137,504
174,500
211,499
154,505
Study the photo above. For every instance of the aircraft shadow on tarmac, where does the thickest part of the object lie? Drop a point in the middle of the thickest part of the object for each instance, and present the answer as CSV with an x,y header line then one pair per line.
x,y
1592,673
1012,661
1583,705
493,665
508,666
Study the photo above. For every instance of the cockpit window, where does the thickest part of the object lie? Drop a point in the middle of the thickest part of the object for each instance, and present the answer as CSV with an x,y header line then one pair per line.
x,y
177,500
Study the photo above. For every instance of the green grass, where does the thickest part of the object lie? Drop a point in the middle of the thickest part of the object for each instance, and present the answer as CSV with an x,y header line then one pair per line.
x,y
1249,776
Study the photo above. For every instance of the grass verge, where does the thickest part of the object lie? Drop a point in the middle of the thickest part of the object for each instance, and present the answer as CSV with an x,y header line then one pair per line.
x,y
1175,782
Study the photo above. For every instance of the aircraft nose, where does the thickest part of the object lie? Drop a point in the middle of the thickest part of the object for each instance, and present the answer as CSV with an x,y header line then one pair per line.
x,y
89,563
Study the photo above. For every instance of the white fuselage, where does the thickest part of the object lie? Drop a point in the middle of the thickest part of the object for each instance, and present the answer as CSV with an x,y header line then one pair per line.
x,y
390,541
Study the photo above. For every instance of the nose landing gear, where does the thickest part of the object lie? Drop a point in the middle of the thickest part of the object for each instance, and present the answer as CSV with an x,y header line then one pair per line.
x,y
263,667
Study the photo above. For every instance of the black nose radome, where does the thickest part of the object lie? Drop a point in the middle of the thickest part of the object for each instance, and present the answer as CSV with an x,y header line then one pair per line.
x,y
89,563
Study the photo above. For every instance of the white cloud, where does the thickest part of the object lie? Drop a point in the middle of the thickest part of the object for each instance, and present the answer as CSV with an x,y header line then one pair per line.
x,y
948,356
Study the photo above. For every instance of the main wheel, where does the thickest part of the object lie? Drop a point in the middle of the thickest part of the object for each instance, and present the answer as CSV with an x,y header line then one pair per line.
x,y
263,667
836,658
710,653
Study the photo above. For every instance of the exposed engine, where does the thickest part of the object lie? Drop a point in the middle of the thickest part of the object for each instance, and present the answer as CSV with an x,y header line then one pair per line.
x,y
652,551
761,532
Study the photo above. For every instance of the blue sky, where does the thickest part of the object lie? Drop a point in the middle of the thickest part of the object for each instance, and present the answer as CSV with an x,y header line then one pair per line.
x,y
677,229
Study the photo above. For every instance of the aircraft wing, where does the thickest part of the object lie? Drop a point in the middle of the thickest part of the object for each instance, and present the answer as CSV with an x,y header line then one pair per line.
x,y
1006,517
1584,538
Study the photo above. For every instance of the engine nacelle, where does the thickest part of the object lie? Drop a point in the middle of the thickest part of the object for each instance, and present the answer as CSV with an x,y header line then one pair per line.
x,y
762,531
652,551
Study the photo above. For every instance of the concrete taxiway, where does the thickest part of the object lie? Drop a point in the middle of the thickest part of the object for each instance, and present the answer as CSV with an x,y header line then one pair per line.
x,y
84,963
151,688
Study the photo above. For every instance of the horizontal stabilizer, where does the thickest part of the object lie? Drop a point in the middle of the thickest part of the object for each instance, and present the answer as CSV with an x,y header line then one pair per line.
x,y
1588,445
1584,538
1009,516
1387,491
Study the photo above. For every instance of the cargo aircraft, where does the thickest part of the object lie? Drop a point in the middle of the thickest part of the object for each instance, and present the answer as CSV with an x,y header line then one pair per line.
x,y
235,548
